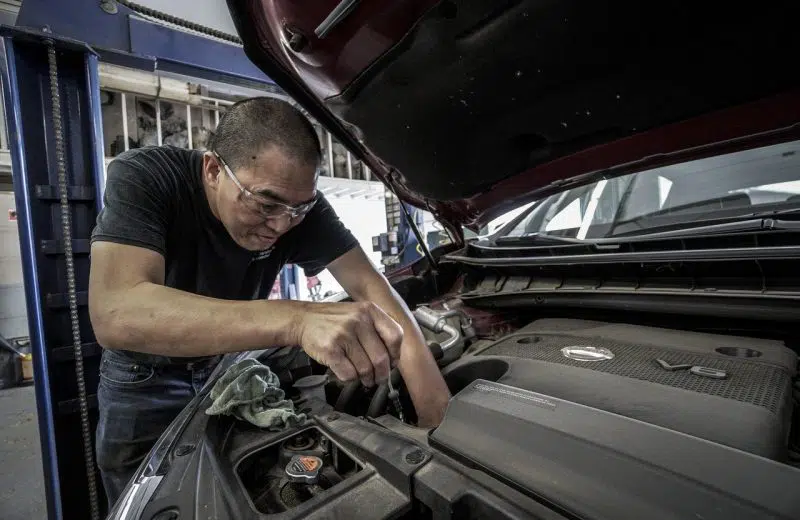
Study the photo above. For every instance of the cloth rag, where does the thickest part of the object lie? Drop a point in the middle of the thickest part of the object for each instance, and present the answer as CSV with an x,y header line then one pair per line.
x,y
251,392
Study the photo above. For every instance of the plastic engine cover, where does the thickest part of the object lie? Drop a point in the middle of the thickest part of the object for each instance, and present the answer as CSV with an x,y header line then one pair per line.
x,y
596,464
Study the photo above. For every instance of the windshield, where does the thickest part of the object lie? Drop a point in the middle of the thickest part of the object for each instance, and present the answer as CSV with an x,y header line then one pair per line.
x,y
737,184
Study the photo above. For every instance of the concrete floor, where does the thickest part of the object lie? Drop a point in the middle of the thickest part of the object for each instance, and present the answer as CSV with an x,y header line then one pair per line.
x,y
21,481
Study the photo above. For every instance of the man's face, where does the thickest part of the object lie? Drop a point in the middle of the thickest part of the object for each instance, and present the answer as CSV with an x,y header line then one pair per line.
x,y
272,187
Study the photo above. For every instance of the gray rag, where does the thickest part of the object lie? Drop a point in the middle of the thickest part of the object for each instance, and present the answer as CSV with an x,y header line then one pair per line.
x,y
249,391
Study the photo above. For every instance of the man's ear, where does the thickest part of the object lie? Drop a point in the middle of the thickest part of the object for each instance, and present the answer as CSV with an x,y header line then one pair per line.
x,y
211,170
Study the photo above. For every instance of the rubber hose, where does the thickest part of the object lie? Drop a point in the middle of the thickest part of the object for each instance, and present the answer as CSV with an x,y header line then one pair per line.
x,y
436,350
347,395
378,403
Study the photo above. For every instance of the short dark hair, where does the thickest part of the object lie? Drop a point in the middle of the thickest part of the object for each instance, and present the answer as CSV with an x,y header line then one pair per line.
x,y
251,125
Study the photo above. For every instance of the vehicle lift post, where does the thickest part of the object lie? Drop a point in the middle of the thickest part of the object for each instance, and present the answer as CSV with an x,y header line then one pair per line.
x,y
53,326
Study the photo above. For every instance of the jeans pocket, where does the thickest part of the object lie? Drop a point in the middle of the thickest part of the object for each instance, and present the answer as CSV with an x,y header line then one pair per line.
x,y
125,374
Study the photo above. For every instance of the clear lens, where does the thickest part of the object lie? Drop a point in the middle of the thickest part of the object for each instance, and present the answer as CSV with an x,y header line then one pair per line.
x,y
275,209
263,207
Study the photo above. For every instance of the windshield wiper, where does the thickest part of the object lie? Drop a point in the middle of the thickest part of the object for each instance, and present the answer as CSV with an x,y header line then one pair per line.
x,y
540,239
752,222
719,228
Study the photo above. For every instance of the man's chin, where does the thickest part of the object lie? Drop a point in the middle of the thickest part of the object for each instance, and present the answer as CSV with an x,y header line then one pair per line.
x,y
257,243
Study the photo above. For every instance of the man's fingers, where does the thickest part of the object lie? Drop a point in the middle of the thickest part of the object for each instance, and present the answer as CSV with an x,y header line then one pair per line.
x,y
360,360
376,350
343,369
361,342
390,332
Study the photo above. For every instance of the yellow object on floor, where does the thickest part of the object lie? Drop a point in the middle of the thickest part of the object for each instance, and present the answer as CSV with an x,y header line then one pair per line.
x,y
27,367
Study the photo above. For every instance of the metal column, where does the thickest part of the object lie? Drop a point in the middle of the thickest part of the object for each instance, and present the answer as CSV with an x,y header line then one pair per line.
x,y
26,89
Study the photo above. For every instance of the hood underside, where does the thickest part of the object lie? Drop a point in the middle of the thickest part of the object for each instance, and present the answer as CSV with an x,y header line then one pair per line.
x,y
469,107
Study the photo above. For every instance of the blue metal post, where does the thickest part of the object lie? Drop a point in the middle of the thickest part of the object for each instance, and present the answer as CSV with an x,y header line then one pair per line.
x,y
22,194
27,97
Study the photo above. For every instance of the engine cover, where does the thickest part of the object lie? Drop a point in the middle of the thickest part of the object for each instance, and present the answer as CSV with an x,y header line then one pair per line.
x,y
731,390
596,464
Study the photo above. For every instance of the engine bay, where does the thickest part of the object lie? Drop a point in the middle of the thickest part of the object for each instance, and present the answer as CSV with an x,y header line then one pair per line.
x,y
553,417
733,390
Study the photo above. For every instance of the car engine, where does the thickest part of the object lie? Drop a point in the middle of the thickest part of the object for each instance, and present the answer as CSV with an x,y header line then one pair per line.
x,y
551,417
730,390
615,382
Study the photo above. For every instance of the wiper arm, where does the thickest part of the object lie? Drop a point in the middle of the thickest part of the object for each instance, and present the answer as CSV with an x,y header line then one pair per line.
x,y
715,228
789,211
724,228
719,228
539,239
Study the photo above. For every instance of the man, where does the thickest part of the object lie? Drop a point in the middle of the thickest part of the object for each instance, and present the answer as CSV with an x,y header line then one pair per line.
x,y
184,255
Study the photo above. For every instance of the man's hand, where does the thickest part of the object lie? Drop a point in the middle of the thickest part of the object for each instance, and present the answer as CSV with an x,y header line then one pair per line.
x,y
355,340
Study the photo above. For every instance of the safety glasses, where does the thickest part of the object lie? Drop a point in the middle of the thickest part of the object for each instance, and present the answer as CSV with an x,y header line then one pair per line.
x,y
264,206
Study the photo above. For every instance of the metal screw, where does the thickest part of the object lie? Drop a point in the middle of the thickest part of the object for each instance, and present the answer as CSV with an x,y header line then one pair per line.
x,y
415,456
109,6
184,449
296,40
332,417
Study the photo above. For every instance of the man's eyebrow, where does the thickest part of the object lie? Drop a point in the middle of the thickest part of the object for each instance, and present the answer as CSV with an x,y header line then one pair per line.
x,y
272,195
277,198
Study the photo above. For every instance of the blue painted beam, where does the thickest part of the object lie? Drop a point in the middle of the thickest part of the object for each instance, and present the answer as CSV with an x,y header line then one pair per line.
x,y
170,46
126,39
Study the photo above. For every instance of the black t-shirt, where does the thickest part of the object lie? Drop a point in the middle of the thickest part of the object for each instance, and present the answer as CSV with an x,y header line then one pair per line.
x,y
154,198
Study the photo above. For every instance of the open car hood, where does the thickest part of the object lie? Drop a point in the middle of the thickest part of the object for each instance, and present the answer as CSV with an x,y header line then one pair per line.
x,y
470,107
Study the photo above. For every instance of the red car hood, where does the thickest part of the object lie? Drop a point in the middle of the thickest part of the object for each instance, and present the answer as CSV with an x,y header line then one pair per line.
x,y
470,107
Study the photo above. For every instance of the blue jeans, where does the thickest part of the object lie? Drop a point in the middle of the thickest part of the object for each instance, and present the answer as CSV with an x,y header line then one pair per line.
x,y
137,402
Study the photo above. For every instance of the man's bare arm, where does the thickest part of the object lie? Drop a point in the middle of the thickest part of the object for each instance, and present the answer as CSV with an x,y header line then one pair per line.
x,y
424,381
131,309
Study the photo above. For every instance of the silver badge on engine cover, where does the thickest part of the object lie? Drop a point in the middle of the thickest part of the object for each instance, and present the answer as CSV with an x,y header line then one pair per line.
x,y
586,353
711,373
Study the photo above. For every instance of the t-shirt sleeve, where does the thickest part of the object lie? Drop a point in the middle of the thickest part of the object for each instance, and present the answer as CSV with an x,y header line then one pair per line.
x,y
136,205
320,239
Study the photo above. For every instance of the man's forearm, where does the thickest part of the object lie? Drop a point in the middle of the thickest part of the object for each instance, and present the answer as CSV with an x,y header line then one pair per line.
x,y
155,319
420,372
423,380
